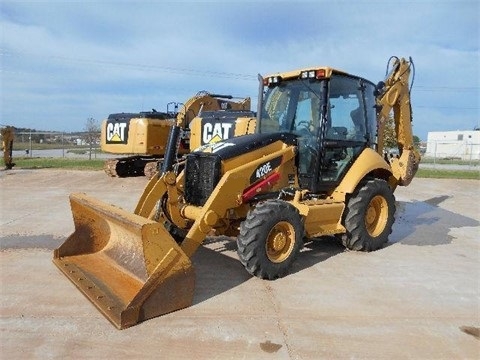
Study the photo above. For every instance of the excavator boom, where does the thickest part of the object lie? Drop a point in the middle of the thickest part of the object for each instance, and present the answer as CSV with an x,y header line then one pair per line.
x,y
8,135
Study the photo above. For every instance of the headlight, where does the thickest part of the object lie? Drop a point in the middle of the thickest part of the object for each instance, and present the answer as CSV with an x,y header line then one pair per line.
x,y
309,74
313,74
274,80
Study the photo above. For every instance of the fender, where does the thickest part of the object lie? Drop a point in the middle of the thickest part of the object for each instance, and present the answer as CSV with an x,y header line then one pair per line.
x,y
368,161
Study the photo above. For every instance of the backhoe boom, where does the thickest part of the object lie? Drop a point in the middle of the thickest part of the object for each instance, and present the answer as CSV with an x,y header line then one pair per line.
x,y
394,95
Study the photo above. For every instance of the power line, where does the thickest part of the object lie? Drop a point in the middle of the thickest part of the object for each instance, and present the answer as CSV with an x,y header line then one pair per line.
x,y
185,71
144,67
446,88
238,76
445,107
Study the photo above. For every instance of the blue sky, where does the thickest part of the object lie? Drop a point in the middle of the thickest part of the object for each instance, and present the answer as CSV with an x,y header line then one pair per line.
x,y
62,62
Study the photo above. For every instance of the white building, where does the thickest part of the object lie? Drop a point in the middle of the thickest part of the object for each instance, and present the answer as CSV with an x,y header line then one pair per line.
x,y
458,144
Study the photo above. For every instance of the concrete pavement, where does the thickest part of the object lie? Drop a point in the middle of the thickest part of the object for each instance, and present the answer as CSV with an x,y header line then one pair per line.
x,y
418,297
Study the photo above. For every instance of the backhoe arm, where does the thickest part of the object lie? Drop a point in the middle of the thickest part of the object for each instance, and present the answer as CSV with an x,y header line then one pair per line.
x,y
394,94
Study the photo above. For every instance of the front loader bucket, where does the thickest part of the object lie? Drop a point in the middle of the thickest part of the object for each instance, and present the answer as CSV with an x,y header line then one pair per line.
x,y
128,266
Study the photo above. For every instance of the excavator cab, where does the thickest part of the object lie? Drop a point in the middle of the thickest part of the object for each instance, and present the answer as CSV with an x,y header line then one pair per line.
x,y
332,117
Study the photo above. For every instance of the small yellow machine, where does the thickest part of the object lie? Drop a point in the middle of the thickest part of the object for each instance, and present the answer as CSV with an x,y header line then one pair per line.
x,y
314,167
144,135
8,135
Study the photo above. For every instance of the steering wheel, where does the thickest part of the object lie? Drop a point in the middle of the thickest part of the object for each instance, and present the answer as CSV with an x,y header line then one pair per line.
x,y
308,143
304,127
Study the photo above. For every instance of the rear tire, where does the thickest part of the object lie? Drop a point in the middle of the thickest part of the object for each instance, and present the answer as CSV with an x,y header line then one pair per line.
x,y
369,216
270,239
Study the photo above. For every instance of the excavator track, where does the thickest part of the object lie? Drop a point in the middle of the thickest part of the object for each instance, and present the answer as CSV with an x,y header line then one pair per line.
x,y
110,167
130,166
150,169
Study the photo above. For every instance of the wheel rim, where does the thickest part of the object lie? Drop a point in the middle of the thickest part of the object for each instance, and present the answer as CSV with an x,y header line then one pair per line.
x,y
280,242
376,216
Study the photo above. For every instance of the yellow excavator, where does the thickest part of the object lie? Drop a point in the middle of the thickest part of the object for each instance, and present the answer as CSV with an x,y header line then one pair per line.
x,y
145,134
314,167
8,135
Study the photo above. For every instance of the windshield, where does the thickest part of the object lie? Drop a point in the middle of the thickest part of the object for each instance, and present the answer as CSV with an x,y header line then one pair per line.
x,y
292,106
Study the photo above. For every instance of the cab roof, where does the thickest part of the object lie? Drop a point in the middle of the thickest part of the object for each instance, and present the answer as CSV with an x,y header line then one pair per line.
x,y
296,73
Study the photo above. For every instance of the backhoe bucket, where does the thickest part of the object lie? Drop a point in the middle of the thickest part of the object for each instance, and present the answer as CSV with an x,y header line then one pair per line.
x,y
128,266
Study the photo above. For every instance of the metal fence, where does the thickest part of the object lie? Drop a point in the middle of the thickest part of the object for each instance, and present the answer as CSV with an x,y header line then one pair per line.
x,y
464,153
56,144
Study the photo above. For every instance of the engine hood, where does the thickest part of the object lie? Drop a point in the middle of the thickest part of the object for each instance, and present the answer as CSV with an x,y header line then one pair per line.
x,y
243,144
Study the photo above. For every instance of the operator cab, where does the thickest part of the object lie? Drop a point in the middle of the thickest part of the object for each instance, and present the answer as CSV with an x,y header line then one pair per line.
x,y
332,115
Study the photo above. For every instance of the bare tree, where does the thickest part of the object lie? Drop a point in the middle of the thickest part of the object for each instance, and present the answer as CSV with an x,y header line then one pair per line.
x,y
92,134
390,139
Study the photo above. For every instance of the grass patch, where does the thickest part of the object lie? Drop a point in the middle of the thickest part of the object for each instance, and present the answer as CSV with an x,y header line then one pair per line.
x,y
97,164
451,161
47,146
79,151
448,174
58,163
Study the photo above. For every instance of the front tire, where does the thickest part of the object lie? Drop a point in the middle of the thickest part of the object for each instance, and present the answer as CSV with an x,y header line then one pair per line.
x,y
369,216
270,239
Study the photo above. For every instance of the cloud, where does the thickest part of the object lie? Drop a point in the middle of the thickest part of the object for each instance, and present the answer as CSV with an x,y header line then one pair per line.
x,y
62,62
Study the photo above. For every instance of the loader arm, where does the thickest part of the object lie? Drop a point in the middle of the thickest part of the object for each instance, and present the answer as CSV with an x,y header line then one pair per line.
x,y
231,191
394,95
158,186
226,195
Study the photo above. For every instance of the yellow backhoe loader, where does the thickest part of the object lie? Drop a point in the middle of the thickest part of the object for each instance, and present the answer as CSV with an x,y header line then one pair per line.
x,y
8,135
144,135
314,167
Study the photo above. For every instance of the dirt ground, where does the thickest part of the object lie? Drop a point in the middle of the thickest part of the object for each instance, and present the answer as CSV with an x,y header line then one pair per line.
x,y
417,298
